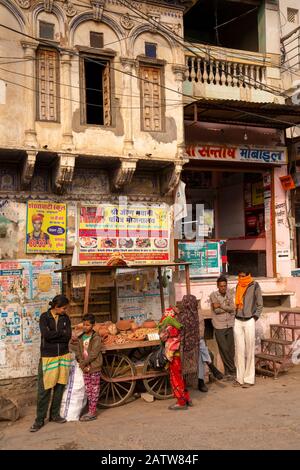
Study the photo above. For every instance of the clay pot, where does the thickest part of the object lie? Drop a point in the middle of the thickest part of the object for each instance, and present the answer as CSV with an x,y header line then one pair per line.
x,y
123,325
149,324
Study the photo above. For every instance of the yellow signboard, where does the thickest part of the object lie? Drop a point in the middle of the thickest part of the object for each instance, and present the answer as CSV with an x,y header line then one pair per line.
x,y
139,233
46,227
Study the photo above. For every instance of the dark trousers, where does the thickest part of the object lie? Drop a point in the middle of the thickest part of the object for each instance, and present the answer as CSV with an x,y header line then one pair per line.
x,y
225,340
43,398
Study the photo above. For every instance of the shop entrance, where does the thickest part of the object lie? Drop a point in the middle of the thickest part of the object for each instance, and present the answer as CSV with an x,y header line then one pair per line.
x,y
234,211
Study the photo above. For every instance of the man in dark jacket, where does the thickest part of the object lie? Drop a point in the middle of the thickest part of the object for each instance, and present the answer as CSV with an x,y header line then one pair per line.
x,y
53,373
249,305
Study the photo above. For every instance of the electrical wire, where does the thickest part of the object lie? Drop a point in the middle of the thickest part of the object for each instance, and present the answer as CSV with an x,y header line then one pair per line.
x,y
175,36
148,81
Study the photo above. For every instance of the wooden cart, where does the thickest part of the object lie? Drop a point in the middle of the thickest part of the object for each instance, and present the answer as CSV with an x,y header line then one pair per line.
x,y
120,373
102,302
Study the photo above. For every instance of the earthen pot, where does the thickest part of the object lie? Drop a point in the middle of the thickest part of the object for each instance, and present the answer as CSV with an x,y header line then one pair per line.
x,y
149,324
123,325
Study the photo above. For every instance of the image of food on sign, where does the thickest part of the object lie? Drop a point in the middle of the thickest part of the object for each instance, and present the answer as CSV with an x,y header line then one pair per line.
x,y
109,243
161,242
125,243
143,242
88,242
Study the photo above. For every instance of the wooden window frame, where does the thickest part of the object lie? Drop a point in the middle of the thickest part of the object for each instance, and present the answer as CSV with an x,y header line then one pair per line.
x,y
57,86
159,65
97,54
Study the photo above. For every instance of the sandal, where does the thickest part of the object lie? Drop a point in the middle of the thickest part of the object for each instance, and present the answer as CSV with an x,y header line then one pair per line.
x,y
235,383
88,417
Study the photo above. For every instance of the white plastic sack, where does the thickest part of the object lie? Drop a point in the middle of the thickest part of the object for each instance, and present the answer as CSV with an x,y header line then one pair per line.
x,y
74,397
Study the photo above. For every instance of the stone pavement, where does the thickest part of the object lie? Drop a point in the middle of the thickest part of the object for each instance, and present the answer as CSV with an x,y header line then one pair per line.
x,y
266,416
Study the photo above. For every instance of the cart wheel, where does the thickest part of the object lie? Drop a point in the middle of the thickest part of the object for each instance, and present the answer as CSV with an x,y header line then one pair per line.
x,y
158,386
116,366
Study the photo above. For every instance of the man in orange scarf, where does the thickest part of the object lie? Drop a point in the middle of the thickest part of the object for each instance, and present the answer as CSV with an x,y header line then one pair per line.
x,y
249,305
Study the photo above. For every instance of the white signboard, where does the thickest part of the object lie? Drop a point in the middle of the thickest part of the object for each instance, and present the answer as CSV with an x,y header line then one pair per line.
x,y
244,154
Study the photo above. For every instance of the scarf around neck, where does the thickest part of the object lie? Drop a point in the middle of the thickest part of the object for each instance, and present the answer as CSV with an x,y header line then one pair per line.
x,y
242,286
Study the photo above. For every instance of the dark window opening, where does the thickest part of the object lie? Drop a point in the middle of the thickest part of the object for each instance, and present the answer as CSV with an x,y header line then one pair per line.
x,y
150,50
233,18
94,73
46,30
96,39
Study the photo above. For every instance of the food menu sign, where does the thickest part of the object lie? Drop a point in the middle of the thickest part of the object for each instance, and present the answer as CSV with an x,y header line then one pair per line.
x,y
137,233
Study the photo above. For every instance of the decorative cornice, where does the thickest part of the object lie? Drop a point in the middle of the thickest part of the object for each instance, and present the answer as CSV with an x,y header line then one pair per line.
x,y
64,172
28,167
124,174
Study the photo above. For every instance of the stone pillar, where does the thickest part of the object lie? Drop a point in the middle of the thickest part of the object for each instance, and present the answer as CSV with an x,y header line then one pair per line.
x,y
179,72
66,103
29,48
127,64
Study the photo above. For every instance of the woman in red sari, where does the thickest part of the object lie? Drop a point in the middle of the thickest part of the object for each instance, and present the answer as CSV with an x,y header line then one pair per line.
x,y
170,335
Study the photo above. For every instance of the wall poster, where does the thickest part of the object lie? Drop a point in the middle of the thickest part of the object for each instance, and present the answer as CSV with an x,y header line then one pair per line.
x,y
140,233
46,227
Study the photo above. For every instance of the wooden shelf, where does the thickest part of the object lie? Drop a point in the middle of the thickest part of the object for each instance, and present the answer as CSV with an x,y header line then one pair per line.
x,y
97,302
80,315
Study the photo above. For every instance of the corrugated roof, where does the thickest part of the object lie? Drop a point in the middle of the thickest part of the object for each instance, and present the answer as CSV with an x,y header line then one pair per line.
x,y
280,116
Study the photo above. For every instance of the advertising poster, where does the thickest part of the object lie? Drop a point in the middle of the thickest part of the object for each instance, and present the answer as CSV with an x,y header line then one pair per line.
x,y
205,258
46,227
45,283
14,281
22,281
139,234
31,313
10,326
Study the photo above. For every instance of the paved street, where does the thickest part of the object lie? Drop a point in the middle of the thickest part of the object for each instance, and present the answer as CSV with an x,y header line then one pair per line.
x,y
266,416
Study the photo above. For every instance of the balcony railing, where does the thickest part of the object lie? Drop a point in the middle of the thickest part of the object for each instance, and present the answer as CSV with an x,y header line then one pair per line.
x,y
228,67
225,73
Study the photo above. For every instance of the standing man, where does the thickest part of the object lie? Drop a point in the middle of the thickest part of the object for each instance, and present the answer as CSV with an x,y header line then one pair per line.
x,y
223,313
249,305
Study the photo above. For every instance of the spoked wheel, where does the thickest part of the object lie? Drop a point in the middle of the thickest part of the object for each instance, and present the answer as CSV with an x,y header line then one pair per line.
x,y
117,382
158,384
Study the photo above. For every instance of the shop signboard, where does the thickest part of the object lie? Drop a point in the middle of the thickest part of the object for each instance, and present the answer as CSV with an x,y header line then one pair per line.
x,y
46,227
205,257
238,154
137,233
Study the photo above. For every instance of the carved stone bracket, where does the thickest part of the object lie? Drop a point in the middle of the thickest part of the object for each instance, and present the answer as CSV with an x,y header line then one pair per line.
x,y
64,172
154,18
98,7
124,174
48,5
170,179
179,72
24,3
28,167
